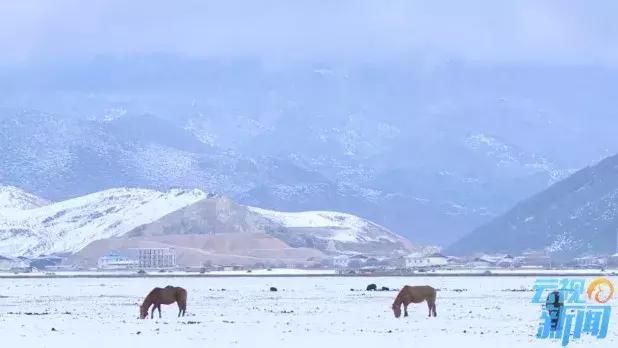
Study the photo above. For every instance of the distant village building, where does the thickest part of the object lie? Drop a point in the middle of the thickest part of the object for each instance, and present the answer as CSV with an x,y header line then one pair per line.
x,y
507,261
229,268
357,261
590,262
424,261
116,261
612,261
341,261
492,261
480,263
13,265
46,262
534,259
456,262
156,257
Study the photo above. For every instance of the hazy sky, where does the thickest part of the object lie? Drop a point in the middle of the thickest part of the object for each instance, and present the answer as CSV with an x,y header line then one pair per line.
x,y
492,31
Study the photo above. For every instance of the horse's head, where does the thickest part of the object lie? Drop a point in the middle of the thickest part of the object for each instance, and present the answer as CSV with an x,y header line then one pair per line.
x,y
397,310
143,312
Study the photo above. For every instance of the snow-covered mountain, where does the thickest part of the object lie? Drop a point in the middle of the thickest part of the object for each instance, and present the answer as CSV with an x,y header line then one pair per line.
x,y
15,198
325,231
70,225
576,216
338,227
430,154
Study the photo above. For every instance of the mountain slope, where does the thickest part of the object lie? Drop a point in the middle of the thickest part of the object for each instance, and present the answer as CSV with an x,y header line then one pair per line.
x,y
329,232
14,198
382,142
68,226
575,216
149,216
196,249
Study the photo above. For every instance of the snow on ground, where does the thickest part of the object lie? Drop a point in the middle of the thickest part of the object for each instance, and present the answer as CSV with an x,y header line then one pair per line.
x,y
70,225
305,312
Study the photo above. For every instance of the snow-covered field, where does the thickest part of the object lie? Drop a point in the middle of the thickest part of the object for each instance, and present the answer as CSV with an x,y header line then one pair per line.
x,y
306,312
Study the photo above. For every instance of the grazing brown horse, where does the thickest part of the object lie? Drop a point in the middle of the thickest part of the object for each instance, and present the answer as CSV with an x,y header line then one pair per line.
x,y
415,294
166,296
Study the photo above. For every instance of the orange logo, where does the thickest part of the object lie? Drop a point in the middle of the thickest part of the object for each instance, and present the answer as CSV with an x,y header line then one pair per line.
x,y
602,288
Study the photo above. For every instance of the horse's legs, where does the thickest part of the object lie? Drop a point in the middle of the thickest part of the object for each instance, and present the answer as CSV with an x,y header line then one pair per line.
x,y
405,309
432,307
182,308
159,307
152,312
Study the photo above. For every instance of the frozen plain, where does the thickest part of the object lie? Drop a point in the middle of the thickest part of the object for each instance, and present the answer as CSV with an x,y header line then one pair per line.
x,y
306,312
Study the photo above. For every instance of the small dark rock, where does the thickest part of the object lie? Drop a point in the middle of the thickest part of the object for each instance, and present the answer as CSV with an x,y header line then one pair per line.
x,y
384,288
138,333
53,329
372,287
273,289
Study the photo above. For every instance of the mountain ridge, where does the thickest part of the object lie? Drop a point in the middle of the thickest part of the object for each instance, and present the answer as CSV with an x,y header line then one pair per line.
x,y
71,226
573,217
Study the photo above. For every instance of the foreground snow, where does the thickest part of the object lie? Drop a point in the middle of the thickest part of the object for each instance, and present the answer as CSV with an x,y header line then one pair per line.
x,y
241,312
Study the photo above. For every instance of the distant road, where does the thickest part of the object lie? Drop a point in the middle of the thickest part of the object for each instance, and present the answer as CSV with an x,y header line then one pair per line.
x,y
314,273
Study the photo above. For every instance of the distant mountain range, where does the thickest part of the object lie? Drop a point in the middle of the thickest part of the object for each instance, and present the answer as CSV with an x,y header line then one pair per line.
x,y
574,217
430,152
202,227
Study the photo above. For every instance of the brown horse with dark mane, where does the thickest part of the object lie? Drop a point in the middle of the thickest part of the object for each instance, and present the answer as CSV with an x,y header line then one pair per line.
x,y
166,296
415,294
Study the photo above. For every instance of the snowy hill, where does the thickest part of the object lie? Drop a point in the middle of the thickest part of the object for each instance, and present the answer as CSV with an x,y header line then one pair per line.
x,y
14,198
578,215
70,225
145,215
328,232
341,227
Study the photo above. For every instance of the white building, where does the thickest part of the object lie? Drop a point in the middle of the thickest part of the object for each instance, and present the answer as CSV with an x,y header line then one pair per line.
x,y
533,258
426,261
156,257
116,261
590,261
341,261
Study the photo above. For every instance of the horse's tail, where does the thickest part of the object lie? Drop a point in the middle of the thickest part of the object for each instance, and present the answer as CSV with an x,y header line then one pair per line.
x,y
433,302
